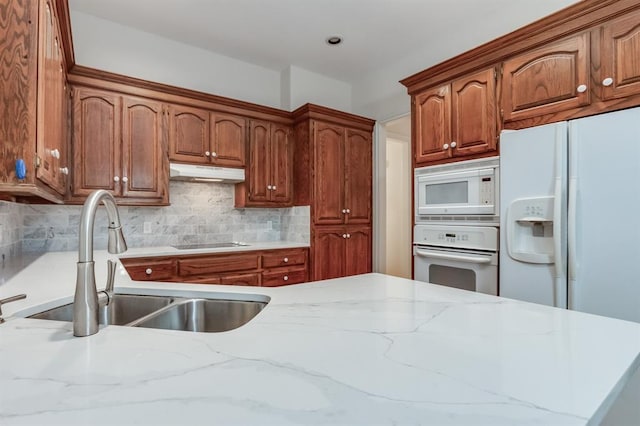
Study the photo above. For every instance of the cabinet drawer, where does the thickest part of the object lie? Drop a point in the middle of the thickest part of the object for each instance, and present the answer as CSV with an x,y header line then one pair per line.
x,y
241,279
217,264
283,276
275,260
152,270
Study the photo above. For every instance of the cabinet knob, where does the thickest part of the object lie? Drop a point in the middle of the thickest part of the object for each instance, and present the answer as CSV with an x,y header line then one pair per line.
x,y
344,211
582,88
148,271
285,260
445,146
55,153
125,179
214,154
607,82
273,187
64,170
453,144
116,178
348,235
348,211
286,278
269,187
207,153
344,235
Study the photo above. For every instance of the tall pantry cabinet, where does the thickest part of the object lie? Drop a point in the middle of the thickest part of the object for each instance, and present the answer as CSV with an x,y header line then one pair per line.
x,y
333,175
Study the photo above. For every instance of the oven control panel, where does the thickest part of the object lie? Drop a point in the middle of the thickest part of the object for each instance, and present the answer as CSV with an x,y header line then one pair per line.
x,y
470,237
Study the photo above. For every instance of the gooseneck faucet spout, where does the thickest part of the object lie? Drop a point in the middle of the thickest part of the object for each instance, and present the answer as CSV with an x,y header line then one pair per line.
x,y
86,303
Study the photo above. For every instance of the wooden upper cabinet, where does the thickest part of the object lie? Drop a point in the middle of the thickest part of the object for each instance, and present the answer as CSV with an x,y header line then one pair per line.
x,y
473,114
358,176
228,140
119,144
96,142
144,162
329,173
547,80
188,134
620,50
259,162
270,170
457,119
282,164
432,124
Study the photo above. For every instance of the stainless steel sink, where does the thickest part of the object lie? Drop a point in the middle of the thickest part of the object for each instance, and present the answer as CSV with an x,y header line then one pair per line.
x,y
203,315
121,310
167,312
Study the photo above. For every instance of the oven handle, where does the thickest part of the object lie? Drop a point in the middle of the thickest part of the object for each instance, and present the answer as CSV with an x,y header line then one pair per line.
x,y
469,258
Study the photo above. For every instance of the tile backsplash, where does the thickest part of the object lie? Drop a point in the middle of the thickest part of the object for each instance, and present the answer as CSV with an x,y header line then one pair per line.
x,y
10,228
199,213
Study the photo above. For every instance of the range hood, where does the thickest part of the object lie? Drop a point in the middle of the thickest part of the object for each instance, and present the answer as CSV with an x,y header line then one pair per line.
x,y
190,172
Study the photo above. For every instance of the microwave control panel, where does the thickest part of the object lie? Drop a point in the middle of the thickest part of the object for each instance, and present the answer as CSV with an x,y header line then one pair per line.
x,y
486,190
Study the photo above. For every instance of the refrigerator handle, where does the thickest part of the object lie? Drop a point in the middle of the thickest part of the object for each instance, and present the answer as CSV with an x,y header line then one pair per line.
x,y
557,210
573,199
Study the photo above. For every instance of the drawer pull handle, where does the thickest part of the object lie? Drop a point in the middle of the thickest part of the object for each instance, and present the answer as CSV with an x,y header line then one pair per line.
x,y
285,260
286,278
148,271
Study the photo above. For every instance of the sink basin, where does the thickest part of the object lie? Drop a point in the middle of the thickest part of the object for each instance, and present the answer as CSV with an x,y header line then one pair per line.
x,y
167,312
121,310
203,315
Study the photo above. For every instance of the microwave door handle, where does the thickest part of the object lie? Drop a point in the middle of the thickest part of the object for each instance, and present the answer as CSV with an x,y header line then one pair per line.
x,y
469,258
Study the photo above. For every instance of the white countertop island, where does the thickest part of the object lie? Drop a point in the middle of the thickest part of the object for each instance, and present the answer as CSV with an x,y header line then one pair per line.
x,y
369,349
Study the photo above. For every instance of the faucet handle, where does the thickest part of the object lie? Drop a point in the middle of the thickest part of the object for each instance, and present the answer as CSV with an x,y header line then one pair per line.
x,y
8,300
111,275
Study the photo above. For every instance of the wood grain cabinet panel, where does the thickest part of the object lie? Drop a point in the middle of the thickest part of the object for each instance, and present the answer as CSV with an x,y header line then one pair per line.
x,y
119,145
284,276
34,102
217,264
150,269
188,134
269,174
620,74
358,252
329,169
473,114
358,163
341,251
241,279
547,80
456,120
228,140
284,258
432,125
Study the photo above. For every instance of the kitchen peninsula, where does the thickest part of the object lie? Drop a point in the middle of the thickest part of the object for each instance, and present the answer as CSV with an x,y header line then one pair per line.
x,y
367,349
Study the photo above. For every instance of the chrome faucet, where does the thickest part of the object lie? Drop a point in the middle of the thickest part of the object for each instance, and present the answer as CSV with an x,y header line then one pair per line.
x,y
86,302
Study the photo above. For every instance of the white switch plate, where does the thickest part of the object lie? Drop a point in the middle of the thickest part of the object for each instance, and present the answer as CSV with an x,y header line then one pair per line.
x,y
147,228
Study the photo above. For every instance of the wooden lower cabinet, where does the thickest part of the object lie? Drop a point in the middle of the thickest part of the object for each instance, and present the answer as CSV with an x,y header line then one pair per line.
x,y
340,251
269,268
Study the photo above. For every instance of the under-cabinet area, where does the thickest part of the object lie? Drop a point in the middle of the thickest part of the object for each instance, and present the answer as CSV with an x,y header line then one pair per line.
x,y
267,268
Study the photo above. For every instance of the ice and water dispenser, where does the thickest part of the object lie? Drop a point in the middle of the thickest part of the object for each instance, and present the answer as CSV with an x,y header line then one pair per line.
x,y
530,230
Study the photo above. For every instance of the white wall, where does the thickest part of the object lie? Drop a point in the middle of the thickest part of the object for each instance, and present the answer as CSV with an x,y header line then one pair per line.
x,y
300,86
116,48
398,206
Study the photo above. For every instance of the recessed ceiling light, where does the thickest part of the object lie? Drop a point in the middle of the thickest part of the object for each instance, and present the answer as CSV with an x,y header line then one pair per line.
x,y
334,40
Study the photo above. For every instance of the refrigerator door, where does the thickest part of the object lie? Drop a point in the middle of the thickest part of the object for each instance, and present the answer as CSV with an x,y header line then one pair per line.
x,y
533,182
605,254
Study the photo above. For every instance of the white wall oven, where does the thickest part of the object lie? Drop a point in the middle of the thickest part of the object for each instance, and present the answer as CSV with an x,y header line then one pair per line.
x,y
463,191
464,257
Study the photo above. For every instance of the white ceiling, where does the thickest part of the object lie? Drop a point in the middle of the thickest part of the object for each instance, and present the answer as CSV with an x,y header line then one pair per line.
x,y
278,33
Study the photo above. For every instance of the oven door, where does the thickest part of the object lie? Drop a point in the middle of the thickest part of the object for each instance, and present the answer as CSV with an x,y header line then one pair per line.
x,y
472,270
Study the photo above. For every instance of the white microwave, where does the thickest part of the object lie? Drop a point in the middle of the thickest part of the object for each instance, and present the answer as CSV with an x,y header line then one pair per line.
x,y
467,188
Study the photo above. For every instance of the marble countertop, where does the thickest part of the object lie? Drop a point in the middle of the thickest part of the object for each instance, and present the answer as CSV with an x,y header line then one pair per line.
x,y
369,349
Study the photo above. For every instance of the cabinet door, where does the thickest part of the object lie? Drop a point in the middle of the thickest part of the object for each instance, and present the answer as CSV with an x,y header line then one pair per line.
x,y
328,253
252,278
188,134
281,165
145,165
547,80
259,155
432,125
328,174
621,57
473,114
358,176
96,142
358,251
228,140
284,276
51,112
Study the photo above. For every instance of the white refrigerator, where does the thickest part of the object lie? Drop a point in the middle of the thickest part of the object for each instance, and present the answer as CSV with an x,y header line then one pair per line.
x,y
570,214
